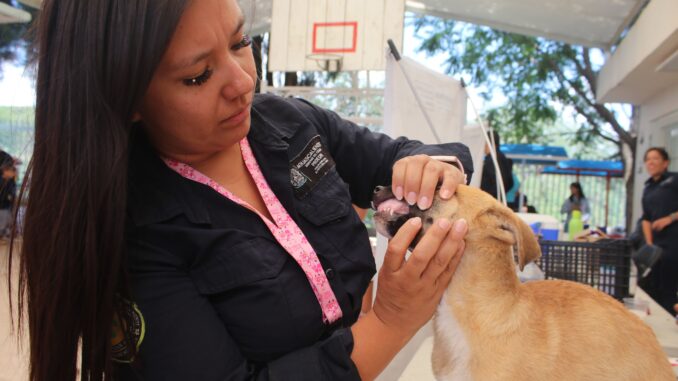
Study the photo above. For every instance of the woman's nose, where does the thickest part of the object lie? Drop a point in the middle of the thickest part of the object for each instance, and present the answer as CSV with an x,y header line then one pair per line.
x,y
238,81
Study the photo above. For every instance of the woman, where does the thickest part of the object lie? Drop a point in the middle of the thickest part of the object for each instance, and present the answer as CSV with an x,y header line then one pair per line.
x,y
660,213
208,230
576,201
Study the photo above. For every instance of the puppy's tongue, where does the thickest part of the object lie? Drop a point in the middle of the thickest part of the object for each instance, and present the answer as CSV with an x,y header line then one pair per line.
x,y
393,206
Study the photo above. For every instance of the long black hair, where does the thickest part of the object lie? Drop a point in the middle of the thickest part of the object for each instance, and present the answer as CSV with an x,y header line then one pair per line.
x,y
95,61
577,186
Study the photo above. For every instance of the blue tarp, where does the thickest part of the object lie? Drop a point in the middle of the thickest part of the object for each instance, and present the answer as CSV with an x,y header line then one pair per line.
x,y
534,154
544,155
587,168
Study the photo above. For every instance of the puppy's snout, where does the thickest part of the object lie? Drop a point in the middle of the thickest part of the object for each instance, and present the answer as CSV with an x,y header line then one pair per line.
x,y
380,194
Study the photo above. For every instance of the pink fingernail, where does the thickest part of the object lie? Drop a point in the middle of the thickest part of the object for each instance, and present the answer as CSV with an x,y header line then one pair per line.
x,y
423,203
398,193
411,198
445,193
416,221
444,223
460,225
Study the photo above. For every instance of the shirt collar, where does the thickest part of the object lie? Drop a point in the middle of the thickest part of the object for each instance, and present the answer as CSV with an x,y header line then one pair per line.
x,y
264,130
661,178
156,193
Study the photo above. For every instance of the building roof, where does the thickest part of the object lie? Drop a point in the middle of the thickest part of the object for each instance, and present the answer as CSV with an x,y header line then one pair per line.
x,y
596,23
9,14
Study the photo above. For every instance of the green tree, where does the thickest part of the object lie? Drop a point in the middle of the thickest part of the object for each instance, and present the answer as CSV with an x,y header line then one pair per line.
x,y
15,38
540,78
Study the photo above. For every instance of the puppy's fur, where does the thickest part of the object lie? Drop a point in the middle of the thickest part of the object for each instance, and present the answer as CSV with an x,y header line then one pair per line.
x,y
490,327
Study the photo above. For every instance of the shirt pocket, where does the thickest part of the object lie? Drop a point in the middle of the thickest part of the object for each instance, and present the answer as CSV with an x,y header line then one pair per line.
x,y
328,201
244,263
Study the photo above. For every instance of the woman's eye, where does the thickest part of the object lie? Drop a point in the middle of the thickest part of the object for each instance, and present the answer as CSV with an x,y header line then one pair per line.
x,y
199,80
245,42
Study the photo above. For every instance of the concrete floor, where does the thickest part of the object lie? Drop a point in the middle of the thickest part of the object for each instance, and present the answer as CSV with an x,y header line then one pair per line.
x,y
13,356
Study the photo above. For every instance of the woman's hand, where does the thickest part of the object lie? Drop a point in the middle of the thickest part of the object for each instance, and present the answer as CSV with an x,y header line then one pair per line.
x,y
661,223
415,179
409,291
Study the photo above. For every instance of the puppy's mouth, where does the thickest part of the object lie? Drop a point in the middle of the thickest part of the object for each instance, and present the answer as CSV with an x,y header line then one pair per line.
x,y
390,216
391,213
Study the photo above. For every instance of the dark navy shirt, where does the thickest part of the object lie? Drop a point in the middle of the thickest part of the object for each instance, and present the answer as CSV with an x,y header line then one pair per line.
x,y
221,299
660,198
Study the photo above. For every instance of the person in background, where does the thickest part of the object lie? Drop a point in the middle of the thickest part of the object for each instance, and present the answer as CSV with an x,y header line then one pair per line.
x,y
576,201
515,189
660,227
180,227
7,192
488,181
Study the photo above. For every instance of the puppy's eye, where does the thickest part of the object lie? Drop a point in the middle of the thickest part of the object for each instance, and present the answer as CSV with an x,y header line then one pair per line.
x,y
429,220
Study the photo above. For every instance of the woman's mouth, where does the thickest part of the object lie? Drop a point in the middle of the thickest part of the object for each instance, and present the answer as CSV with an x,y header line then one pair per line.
x,y
238,118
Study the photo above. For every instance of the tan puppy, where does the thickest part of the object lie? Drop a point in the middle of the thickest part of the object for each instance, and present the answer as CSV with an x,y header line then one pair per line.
x,y
490,327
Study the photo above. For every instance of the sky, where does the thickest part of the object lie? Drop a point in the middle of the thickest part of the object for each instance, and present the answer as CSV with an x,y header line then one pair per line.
x,y
16,87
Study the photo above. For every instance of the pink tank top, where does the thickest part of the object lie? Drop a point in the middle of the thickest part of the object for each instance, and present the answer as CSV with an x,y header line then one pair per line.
x,y
283,228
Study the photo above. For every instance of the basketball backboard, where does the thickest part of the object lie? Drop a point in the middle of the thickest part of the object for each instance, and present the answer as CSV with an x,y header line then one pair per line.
x,y
307,35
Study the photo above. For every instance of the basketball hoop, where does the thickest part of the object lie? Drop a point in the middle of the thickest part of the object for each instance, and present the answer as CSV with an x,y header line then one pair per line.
x,y
327,61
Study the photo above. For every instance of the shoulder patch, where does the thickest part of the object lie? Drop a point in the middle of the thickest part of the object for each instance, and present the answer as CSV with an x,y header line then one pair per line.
x,y
127,330
309,166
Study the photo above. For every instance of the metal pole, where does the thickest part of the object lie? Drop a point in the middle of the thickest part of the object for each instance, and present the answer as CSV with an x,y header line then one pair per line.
x,y
607,196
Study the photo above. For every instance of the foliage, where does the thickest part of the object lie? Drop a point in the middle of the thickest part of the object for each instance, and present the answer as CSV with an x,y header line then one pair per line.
x,y
534,74
15,38
16,133
541,80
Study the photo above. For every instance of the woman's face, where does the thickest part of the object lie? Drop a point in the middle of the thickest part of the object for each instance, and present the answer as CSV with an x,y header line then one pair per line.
x,y
198,102
574,191
655,163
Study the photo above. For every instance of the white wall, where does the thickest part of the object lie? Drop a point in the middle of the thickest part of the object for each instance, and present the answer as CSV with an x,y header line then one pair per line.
x,y
656,115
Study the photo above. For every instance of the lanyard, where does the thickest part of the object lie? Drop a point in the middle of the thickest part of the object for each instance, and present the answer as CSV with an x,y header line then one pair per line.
x,y
284,229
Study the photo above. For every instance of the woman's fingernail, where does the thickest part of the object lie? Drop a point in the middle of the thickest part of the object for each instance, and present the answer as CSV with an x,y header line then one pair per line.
x,y
460,225
411,198
416,221
445,193
398,193
423,203
444,223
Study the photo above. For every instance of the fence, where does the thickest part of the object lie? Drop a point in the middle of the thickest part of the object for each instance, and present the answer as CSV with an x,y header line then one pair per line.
x,y
546,192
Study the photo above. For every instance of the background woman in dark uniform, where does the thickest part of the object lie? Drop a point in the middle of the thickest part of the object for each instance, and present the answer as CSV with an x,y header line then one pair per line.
x,y
208,231
660,213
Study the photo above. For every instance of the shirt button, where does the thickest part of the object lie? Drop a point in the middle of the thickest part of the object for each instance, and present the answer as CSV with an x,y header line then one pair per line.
x,y
329,273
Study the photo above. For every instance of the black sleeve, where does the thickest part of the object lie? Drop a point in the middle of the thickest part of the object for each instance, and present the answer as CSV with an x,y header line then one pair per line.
x,y
365,159
186,340
646,211
487,181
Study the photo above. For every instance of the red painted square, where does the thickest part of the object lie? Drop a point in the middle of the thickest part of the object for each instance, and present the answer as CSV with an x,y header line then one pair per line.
x,y
354,41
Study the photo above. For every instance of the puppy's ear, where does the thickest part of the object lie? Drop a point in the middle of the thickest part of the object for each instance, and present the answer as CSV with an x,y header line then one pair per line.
x,y
528,247
505,226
